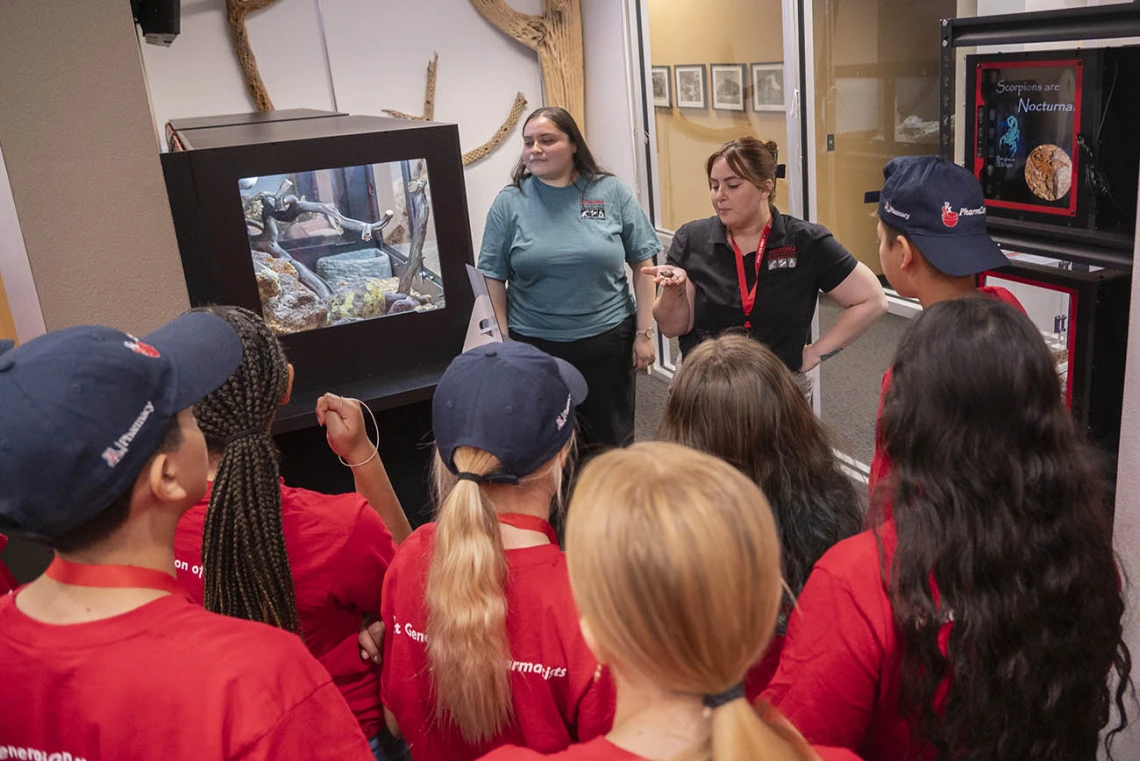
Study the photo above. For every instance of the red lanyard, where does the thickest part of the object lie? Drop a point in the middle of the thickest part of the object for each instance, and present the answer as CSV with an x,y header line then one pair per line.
x,y
529,523
118,576
747,297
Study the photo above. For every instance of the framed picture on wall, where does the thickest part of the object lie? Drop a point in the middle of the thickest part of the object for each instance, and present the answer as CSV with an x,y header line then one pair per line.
x,y
768,86
728,86
690,82
659,77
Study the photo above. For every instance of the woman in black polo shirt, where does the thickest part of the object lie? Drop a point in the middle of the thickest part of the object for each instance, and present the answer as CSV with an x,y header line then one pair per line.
x,y
750,267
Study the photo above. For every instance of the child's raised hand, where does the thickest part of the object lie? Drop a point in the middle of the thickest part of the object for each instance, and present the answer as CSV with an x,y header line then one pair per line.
x,y
343,422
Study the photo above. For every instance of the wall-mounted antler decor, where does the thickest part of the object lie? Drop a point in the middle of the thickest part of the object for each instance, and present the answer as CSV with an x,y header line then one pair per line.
x,y
557,37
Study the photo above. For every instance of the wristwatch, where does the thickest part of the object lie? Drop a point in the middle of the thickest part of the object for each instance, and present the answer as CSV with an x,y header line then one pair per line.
x,y
648,332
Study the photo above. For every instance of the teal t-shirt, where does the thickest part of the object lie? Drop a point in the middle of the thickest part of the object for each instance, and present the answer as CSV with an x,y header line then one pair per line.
x,y
562,253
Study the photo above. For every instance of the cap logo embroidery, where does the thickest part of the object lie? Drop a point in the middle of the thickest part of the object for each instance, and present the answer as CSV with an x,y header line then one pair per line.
x,y
949,216
138,347
562,418
118,450
892,210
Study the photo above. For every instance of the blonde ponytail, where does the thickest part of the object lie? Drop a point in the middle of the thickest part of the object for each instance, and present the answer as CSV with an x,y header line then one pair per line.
x,y
675,564
467,646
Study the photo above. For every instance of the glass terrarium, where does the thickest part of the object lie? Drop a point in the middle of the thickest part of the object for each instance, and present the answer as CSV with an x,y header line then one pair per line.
x,y
348,233
334,246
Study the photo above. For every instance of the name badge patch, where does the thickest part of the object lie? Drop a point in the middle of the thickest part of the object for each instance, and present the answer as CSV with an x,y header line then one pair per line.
x,y
592,209
783,258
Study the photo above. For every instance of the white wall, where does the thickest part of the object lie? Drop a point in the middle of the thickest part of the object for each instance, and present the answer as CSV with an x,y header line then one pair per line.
x,y
1126,526
379,54
199,74
377,58
15,268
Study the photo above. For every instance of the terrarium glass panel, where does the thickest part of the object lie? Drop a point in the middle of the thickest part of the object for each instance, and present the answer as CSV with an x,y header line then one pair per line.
x,y
334,246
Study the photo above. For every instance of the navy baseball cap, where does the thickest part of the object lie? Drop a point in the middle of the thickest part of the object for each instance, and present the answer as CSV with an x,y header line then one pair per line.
x,y
939,205
82,411
509,399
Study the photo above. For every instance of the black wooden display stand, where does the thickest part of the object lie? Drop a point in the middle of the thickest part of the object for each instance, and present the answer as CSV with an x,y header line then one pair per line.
x,y
391,363
1099,279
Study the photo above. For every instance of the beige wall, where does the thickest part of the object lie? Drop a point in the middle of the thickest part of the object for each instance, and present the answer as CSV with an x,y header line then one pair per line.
x,y
711,31
863,49
82,158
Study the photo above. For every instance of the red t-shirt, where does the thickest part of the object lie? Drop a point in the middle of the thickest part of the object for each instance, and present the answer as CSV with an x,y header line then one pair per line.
x,y
601,749
556,699
338,549
838,680
881,462
166,680
757,678
7,580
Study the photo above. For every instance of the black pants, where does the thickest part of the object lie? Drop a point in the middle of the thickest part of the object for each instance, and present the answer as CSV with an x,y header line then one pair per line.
x,y
605,419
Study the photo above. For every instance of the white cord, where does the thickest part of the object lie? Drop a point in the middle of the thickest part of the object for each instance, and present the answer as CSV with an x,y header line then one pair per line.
x,y
375,446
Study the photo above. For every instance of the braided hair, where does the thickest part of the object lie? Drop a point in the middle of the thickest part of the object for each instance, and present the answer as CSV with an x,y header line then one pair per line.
x,y
246,569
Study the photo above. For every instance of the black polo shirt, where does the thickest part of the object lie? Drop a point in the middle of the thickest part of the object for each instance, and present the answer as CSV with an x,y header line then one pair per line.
x,y
801,259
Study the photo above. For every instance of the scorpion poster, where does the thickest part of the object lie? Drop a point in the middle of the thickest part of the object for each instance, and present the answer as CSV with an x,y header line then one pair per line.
x,y
1028,123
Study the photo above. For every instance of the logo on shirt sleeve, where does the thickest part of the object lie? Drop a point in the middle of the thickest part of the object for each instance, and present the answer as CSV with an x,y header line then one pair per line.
x,y
592,209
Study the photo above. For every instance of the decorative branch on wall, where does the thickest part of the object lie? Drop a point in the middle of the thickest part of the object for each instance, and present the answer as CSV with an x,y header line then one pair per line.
x,y
429,113
556,36
429,96
512,119
236,12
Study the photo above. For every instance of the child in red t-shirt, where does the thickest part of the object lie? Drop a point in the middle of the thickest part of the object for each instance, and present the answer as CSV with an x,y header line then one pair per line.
x,y
675,563
303,561
735,399
481,644
932,245
103,656
984,618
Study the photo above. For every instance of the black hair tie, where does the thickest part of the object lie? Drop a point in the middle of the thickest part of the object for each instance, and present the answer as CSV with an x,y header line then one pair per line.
x,y
243,434
493,478
716,700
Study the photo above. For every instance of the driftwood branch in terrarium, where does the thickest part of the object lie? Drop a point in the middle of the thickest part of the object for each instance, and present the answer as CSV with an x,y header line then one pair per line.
x,y
292,207
557,37
418,214
266,241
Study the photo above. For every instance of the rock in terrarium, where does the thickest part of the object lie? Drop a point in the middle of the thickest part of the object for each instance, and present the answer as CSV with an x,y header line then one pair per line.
x,y
321,249
360,300
294,308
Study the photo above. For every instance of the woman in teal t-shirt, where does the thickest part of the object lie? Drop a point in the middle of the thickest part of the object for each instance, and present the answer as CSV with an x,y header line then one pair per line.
x,y
561,236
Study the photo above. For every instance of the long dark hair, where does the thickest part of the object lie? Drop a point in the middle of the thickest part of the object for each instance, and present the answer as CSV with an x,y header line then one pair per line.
x,y
246,568
735,399
1003,528
584,162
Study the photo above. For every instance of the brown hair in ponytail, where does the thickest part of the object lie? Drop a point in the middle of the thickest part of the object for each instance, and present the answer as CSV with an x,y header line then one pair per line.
x,y
467,646
246,569
751,159
675,564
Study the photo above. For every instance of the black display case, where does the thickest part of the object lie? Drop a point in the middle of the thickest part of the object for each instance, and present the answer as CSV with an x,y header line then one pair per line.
x,y
1088,307
387,362
268,197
